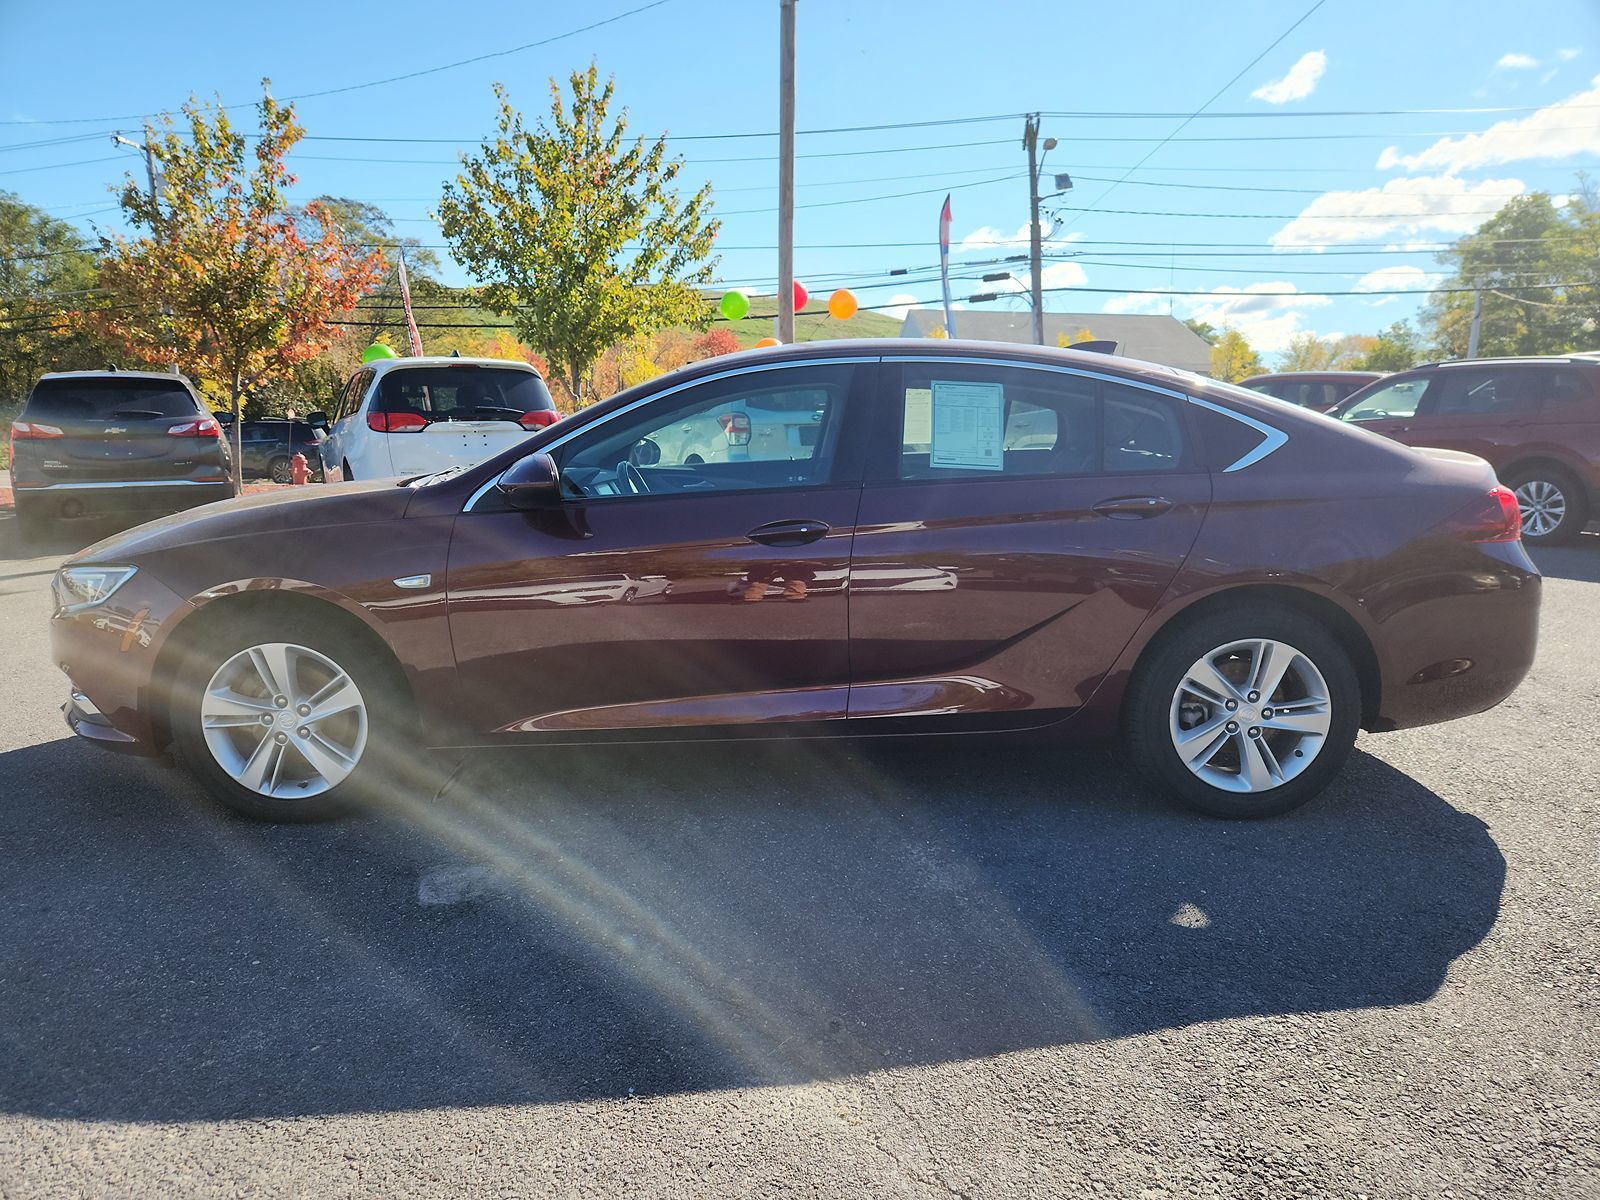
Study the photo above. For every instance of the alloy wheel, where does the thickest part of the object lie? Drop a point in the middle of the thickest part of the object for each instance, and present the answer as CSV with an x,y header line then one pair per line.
x,y
284,721
281,472
1250,715
1543,505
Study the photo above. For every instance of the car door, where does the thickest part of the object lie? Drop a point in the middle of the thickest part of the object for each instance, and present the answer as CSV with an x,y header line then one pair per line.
x,y
1485,410
340,446
660,595
1017,524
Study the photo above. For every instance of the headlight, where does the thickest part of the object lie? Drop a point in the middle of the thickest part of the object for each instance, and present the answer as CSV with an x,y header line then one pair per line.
x,y
84,587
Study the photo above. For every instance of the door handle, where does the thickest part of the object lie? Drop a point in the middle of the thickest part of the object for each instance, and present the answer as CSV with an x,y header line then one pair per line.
x,y
1132,508
788,533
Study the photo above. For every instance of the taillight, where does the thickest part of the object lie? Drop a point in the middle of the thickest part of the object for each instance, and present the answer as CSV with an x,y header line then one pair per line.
x,y
204,427
736,427
32,431
396,422
539,418
1493,517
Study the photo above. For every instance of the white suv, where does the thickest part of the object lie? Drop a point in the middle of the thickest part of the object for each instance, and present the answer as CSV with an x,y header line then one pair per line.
x,y
413,416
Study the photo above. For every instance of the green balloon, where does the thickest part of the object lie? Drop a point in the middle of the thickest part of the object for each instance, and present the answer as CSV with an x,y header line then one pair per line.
x,y
735,304
376,351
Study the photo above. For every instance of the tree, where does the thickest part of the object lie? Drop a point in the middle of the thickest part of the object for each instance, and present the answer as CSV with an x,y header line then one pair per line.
x,y
714,343
580,238
1538,267
1308,352
1396,348
220,276
46,272
367,228
1203,330
1232,359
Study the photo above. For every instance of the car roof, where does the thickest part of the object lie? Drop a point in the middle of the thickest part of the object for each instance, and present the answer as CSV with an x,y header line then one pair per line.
x,y
1588,359
382,366
165,376
1312,375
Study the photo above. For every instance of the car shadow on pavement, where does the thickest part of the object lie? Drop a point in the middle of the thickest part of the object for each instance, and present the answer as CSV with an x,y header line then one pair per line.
x,y
1580,560
584,924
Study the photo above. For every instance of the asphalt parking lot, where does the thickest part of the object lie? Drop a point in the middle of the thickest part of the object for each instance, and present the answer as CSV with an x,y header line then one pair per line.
x,y
826,971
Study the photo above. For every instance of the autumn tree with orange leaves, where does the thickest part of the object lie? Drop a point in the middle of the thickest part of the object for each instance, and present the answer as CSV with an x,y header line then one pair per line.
x,y
220,277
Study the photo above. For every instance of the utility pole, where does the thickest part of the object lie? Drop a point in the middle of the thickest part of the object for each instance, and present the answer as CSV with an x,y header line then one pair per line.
x,y
1477,322
155,200
1030,139
786,173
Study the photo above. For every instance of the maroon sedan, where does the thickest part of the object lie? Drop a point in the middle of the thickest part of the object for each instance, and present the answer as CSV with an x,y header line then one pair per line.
x,y
886,538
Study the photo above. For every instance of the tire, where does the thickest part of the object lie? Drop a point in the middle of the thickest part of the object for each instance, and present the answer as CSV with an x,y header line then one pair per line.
x,y
370,739
278,470
1163,705
1552,502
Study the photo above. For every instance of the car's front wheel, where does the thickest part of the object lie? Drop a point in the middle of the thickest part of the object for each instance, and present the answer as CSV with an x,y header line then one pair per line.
x,y
1552,506
279,470
284,722
1244,713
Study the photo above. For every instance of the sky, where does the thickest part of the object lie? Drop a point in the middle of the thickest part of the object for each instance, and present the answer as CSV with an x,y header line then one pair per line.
x,y
1308,169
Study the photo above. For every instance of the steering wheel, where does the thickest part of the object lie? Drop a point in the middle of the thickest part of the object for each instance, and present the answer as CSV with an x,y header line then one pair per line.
x,y
631,480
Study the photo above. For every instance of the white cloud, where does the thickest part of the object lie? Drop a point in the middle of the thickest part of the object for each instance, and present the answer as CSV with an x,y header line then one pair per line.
x,y
1400,207
1516,62
1558,130
1136,302
1052,275
1568,54
899,304
1396,279
1267,313
1299,83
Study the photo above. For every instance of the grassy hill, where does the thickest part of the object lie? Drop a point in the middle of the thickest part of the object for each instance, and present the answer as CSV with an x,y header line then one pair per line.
x,y
813,324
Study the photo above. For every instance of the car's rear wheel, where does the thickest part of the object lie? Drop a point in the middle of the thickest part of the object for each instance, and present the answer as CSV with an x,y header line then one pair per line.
x,y
285,722
1552,504
278,470
1244,713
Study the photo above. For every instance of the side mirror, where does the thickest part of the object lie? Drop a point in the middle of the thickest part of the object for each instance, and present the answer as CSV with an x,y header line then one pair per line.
x,y
645,453
317,419
531,482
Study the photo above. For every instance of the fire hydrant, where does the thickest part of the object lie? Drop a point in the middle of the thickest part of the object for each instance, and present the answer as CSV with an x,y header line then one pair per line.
x,y
299,470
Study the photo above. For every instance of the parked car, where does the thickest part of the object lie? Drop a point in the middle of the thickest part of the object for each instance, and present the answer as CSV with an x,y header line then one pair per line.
x,y
413,416
268,448
1321,391
97,442
1536,421
1234,584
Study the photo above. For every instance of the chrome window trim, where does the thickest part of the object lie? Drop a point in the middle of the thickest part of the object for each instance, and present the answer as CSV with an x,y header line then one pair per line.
x,y
112,485
748,369
1272,438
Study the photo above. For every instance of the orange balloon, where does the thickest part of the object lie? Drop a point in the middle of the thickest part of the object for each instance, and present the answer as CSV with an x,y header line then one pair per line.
x,y
766,342
842,305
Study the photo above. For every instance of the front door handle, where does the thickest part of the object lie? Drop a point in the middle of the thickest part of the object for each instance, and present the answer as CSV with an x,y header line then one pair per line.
x,y
1132,508
788,533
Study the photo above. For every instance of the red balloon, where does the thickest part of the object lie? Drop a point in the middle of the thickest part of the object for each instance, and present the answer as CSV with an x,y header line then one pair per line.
x,y
800,295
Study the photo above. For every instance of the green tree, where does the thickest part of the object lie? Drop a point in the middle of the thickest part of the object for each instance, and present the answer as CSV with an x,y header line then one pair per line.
x,y
1308,352
578,234
1204,330
366,228
47,271
1396,348
1539,270
1232,359
219,276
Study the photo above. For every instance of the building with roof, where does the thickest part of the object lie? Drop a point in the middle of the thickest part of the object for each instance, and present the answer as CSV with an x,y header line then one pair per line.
x,y
1158,339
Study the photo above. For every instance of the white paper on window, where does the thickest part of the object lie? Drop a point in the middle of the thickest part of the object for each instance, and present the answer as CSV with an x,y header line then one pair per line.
x,y
968,426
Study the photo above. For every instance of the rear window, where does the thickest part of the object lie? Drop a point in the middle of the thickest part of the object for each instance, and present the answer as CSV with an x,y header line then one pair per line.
x,y
108,400
465,393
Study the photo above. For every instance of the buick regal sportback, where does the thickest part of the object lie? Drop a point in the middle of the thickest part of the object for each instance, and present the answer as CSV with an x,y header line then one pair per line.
x,y
979,539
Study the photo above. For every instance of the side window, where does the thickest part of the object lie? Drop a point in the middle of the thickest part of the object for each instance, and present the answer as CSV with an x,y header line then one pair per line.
x,y
1567,396
1398,399
966,421
1487,392
1142,431
752,430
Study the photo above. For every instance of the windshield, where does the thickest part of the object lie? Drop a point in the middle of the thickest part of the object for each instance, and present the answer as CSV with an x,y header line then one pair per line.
x,y
462,393
109,399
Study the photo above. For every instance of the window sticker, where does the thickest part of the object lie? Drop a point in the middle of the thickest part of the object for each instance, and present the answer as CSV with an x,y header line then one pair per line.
x,y
968,426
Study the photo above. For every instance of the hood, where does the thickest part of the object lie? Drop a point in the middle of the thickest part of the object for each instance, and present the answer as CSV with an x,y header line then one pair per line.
x,y
319,506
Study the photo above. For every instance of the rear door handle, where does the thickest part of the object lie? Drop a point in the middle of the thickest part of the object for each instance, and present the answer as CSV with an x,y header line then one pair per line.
x,y
788,533
1132,508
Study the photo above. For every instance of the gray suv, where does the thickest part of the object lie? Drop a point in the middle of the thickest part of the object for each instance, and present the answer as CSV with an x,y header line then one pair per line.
x,y
91,442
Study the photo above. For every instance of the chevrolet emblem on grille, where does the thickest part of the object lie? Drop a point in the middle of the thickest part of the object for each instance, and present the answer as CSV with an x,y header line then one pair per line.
x,y
116,429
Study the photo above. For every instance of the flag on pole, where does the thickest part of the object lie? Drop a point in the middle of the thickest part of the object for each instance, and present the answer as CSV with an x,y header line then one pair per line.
x,y
944,267
405,299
